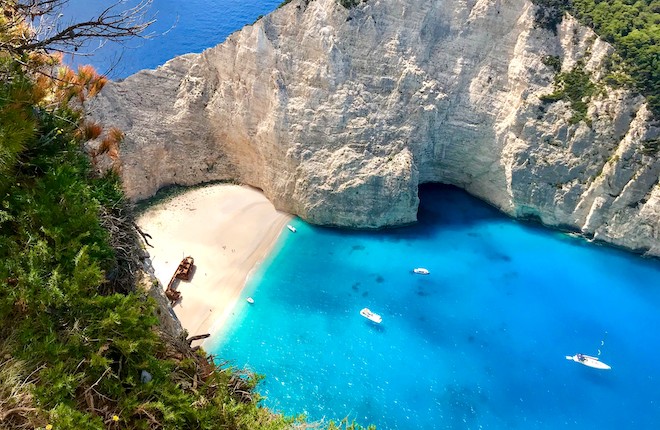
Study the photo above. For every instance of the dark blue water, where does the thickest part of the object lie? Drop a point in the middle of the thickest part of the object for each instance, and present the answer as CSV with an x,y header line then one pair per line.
x,y
181,27
478,343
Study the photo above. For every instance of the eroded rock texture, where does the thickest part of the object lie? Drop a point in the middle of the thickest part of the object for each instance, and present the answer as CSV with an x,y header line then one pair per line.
x,y
338,115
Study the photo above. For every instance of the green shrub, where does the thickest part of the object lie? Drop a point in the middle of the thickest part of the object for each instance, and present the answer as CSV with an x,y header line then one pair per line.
x,y
574,86
549,13
552,61
350,3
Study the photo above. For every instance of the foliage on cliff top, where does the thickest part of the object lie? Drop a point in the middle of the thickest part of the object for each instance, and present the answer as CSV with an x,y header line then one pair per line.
x,y
73,349
74,339
75,333
631,26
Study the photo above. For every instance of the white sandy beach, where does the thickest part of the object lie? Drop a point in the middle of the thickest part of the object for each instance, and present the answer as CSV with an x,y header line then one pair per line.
x,y
228,230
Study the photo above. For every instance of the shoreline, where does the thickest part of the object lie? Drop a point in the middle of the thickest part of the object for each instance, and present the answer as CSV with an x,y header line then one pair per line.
x,y
228,230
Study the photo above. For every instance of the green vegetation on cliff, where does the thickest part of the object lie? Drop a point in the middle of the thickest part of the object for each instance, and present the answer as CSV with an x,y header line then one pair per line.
x,y
75,336
576,87
80,342
350,3
631,26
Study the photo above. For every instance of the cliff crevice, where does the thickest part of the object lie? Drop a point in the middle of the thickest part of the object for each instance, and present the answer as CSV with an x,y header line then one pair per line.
x,y
339,114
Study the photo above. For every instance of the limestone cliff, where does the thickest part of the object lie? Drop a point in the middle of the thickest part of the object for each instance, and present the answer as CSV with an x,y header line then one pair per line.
x,y
339,114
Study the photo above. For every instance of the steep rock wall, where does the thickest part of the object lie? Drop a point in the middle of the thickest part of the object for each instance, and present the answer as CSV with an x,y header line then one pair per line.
x,y
339,114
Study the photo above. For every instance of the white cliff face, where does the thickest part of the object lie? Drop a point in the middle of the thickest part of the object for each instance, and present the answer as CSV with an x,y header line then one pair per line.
x,y
338,115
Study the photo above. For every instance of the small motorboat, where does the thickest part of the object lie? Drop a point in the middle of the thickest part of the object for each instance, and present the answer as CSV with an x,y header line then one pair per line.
x,y
290,227
250,300
421,271
589,361
371,315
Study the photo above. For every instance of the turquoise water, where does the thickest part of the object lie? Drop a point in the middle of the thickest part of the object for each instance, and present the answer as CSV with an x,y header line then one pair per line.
x,y
478,343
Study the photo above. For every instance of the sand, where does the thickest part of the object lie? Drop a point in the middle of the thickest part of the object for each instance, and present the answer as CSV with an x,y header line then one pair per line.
x,y
228,230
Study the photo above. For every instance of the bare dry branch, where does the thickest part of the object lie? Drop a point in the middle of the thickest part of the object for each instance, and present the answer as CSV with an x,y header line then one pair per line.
x,y
19,410
50,30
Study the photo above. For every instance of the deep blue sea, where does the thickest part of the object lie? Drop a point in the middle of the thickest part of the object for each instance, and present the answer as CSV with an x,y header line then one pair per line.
x,y
181,27
480,343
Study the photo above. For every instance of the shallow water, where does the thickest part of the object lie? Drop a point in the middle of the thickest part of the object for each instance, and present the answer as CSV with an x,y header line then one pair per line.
x,y
478,343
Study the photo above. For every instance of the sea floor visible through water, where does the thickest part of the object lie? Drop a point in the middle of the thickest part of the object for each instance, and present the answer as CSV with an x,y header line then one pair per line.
x,y
480,342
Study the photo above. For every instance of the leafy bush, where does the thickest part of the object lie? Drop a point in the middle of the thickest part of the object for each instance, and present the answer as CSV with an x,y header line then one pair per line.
x,y
552,61
350,3
576,87
549,13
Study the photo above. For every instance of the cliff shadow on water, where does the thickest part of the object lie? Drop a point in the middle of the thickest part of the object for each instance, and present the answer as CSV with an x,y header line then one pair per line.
x,y
452,206
448,207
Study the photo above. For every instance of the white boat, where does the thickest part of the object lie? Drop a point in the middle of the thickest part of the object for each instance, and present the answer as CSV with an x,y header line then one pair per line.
x,y
371,315
250,300
421,271
589,361
290,227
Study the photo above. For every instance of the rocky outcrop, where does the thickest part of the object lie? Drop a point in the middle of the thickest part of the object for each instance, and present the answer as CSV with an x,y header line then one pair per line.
x,y
339,114
168,321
